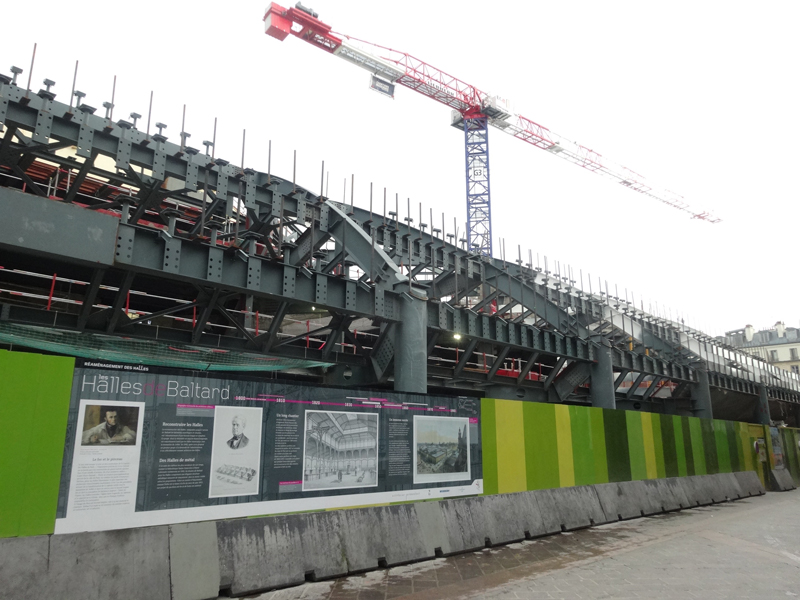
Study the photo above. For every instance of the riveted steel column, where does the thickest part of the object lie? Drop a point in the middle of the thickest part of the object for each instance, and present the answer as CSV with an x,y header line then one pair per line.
x,y
762,409
701,393
601,387
410,353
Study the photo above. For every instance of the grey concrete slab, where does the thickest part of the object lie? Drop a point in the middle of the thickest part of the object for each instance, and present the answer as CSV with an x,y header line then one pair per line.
x,y
697,492
194,561
781,480
548,511
645,495
259,554
458,523
576,507
432,527
129,564
23,563
402,535
750,483
671,493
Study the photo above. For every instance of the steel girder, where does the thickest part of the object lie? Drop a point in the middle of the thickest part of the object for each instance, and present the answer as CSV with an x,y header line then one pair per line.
x,y
181,219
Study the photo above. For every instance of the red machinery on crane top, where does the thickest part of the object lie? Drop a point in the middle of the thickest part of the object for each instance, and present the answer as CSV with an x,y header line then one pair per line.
x,y
395,67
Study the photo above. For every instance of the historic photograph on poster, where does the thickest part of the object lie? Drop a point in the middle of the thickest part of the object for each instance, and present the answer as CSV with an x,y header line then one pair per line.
x,y
109,425
340,450
235,452
441,447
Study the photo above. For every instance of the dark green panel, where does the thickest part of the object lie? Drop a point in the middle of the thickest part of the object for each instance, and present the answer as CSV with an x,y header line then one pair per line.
x,y
709,446
734,445
636,445
668,439
721,446
616,430
687,446
489,445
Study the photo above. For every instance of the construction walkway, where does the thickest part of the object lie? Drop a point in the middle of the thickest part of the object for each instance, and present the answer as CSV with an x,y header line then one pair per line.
x,y
744,549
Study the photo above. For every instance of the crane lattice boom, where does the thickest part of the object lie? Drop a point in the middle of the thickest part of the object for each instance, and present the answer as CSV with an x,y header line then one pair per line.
x,y
470,102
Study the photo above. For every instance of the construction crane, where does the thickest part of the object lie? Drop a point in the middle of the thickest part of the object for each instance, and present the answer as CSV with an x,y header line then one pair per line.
x,y
472,110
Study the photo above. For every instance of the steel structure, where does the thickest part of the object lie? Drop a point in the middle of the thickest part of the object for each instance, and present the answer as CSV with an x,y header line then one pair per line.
x,y
111,235
472,110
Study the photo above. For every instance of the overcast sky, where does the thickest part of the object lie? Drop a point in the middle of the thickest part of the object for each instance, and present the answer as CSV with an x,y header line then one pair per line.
x,y
701,97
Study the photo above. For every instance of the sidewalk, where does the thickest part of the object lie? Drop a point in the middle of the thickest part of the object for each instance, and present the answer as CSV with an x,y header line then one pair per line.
x,y
744,549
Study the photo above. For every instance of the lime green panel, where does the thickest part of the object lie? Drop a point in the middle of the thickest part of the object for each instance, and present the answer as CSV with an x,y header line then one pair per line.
x,y
680,450
598,445
582,447
511,473
489,445
636,445
35,391
541,445
698,453
649,445
52,394
566,469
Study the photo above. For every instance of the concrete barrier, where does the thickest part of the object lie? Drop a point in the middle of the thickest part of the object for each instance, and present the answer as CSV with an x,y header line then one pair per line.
x,y
131,564
573,507
253,555
193,544
432,528
23,563
270,552
669,493
781,480
750,483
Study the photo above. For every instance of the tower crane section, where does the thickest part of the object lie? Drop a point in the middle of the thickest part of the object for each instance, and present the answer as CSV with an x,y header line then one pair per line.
x,y
473,111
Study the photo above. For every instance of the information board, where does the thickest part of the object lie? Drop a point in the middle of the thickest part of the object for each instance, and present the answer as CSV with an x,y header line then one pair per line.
x,y
149,446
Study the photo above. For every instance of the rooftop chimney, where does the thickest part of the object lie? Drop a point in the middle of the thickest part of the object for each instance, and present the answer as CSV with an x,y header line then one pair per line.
x,y
780,328
749,330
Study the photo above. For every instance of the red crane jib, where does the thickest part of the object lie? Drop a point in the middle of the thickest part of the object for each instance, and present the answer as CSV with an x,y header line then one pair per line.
x,y
278,21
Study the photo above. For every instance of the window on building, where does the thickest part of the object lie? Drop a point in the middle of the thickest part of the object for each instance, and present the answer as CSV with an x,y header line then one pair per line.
x,y
794,354
773,356
796,369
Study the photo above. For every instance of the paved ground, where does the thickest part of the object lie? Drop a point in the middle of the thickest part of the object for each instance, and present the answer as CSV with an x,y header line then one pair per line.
x,y
744,549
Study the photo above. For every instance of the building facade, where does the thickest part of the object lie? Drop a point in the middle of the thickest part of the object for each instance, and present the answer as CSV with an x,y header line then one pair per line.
x,y
779,345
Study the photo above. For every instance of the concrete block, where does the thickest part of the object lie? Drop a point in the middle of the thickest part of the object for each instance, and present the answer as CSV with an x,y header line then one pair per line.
x,y
781,480
729,485
548,511
670,492
519,516
616,503
130,563
432,527
749,482
402,535
696,491
23,565
388,535
646,496
458,524
575,507
260,554
194,561
499,519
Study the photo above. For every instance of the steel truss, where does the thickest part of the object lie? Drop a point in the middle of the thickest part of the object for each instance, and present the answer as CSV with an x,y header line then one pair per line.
x,y
108,230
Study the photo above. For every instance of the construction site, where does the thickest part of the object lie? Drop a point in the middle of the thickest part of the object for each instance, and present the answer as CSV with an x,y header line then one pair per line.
x,y
247,354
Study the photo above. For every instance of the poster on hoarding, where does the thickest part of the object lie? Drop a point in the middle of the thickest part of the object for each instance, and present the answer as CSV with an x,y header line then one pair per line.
x,y
155,446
